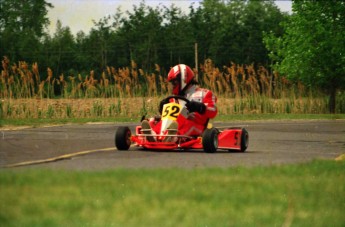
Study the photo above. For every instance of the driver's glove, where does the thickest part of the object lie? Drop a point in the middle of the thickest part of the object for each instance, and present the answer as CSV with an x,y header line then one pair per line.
x,y
194,106
161,104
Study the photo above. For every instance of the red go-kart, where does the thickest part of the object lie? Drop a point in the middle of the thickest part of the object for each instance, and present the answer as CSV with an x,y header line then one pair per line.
x,y
212,139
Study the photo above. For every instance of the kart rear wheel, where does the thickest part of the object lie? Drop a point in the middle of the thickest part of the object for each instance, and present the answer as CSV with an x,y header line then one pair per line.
x,y
123,138
210,140
244,140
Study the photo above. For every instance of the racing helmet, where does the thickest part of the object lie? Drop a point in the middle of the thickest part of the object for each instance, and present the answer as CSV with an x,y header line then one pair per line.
x,y
180,76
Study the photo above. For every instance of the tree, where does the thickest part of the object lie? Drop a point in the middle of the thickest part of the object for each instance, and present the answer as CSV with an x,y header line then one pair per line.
x,y
177,41
24,22
233,30
257,18
101,36
142,33
312,49
60,50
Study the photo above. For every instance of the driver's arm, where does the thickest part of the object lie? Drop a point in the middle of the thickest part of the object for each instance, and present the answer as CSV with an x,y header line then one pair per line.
x,y
210,101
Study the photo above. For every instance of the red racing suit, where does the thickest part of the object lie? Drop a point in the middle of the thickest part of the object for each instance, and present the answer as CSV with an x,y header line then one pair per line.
x,y
195,124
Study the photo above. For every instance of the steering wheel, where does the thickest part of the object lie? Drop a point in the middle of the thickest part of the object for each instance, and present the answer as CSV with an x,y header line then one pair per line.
x,y
177,97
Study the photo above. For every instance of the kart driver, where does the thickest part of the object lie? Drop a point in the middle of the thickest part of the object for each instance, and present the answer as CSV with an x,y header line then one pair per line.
x,y
201,108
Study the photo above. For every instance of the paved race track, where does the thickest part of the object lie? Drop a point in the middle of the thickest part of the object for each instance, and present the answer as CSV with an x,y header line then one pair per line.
x,y
271,142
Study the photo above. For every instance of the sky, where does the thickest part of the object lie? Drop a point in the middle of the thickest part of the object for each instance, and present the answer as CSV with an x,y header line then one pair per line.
x,y
78,15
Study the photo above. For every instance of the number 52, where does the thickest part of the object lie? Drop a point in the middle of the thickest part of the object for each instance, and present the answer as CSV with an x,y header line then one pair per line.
x,y
171,110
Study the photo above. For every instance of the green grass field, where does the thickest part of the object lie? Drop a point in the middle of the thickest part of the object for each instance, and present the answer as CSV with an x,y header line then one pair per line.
x,y
310,194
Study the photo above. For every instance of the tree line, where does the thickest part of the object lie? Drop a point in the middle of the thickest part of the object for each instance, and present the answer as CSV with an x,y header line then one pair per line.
x,y
224,31
307,46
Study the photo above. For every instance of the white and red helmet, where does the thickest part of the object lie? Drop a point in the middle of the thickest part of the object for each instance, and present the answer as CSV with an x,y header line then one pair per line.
x,y
180,76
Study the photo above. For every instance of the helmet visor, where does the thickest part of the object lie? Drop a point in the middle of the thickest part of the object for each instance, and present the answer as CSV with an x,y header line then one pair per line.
x,y
175,84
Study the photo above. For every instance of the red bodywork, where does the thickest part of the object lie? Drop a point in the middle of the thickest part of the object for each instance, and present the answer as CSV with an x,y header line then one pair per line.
x,y
228,139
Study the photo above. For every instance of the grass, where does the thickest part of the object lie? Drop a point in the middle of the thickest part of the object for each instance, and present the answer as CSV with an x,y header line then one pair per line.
x,y
309,194
248,117
39,122
46,122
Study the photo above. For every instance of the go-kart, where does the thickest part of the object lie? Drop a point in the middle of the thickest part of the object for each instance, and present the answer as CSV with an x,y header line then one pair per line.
x,y
212,139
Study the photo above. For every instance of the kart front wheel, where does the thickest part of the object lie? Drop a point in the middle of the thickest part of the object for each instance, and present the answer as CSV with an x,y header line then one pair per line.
x,y
244,140
123,138
210,140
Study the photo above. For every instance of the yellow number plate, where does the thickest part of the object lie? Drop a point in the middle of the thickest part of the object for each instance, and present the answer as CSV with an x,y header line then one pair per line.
x,y
171,111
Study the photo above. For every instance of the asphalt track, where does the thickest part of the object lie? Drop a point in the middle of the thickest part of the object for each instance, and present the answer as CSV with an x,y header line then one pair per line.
x,y
91,147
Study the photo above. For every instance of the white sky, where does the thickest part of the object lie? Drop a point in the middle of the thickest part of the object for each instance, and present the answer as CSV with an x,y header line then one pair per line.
x,y
78,14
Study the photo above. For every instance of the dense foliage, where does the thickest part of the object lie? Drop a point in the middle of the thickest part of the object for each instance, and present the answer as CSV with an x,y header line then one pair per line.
x,y
225,31
312,49
22,26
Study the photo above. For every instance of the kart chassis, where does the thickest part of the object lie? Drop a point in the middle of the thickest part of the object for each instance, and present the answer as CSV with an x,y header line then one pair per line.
x,y
212,139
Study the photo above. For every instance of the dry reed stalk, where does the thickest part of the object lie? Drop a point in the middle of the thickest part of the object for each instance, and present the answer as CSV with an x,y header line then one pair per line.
x,y
265,81
80,78
157,68
210,74
240,72
92,85
4,72
35,70
151,82
216,79
206,80
129,82
277,85
72,86
128,90
128,107
113,71
119,88
41,89
3,92
252,82
106,83
142,73
121,77
5,63
61,81
253,86
14,69
225,84
233,75
50,75
301,89
164,85
108,71
220,87
134,64
135,78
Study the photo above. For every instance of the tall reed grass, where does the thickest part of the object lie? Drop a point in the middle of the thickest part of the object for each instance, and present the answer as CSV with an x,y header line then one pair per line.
x,y
130,91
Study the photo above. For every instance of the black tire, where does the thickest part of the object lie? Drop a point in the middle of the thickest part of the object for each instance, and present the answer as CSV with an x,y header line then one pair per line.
x,y
244,140
210,140
123,138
